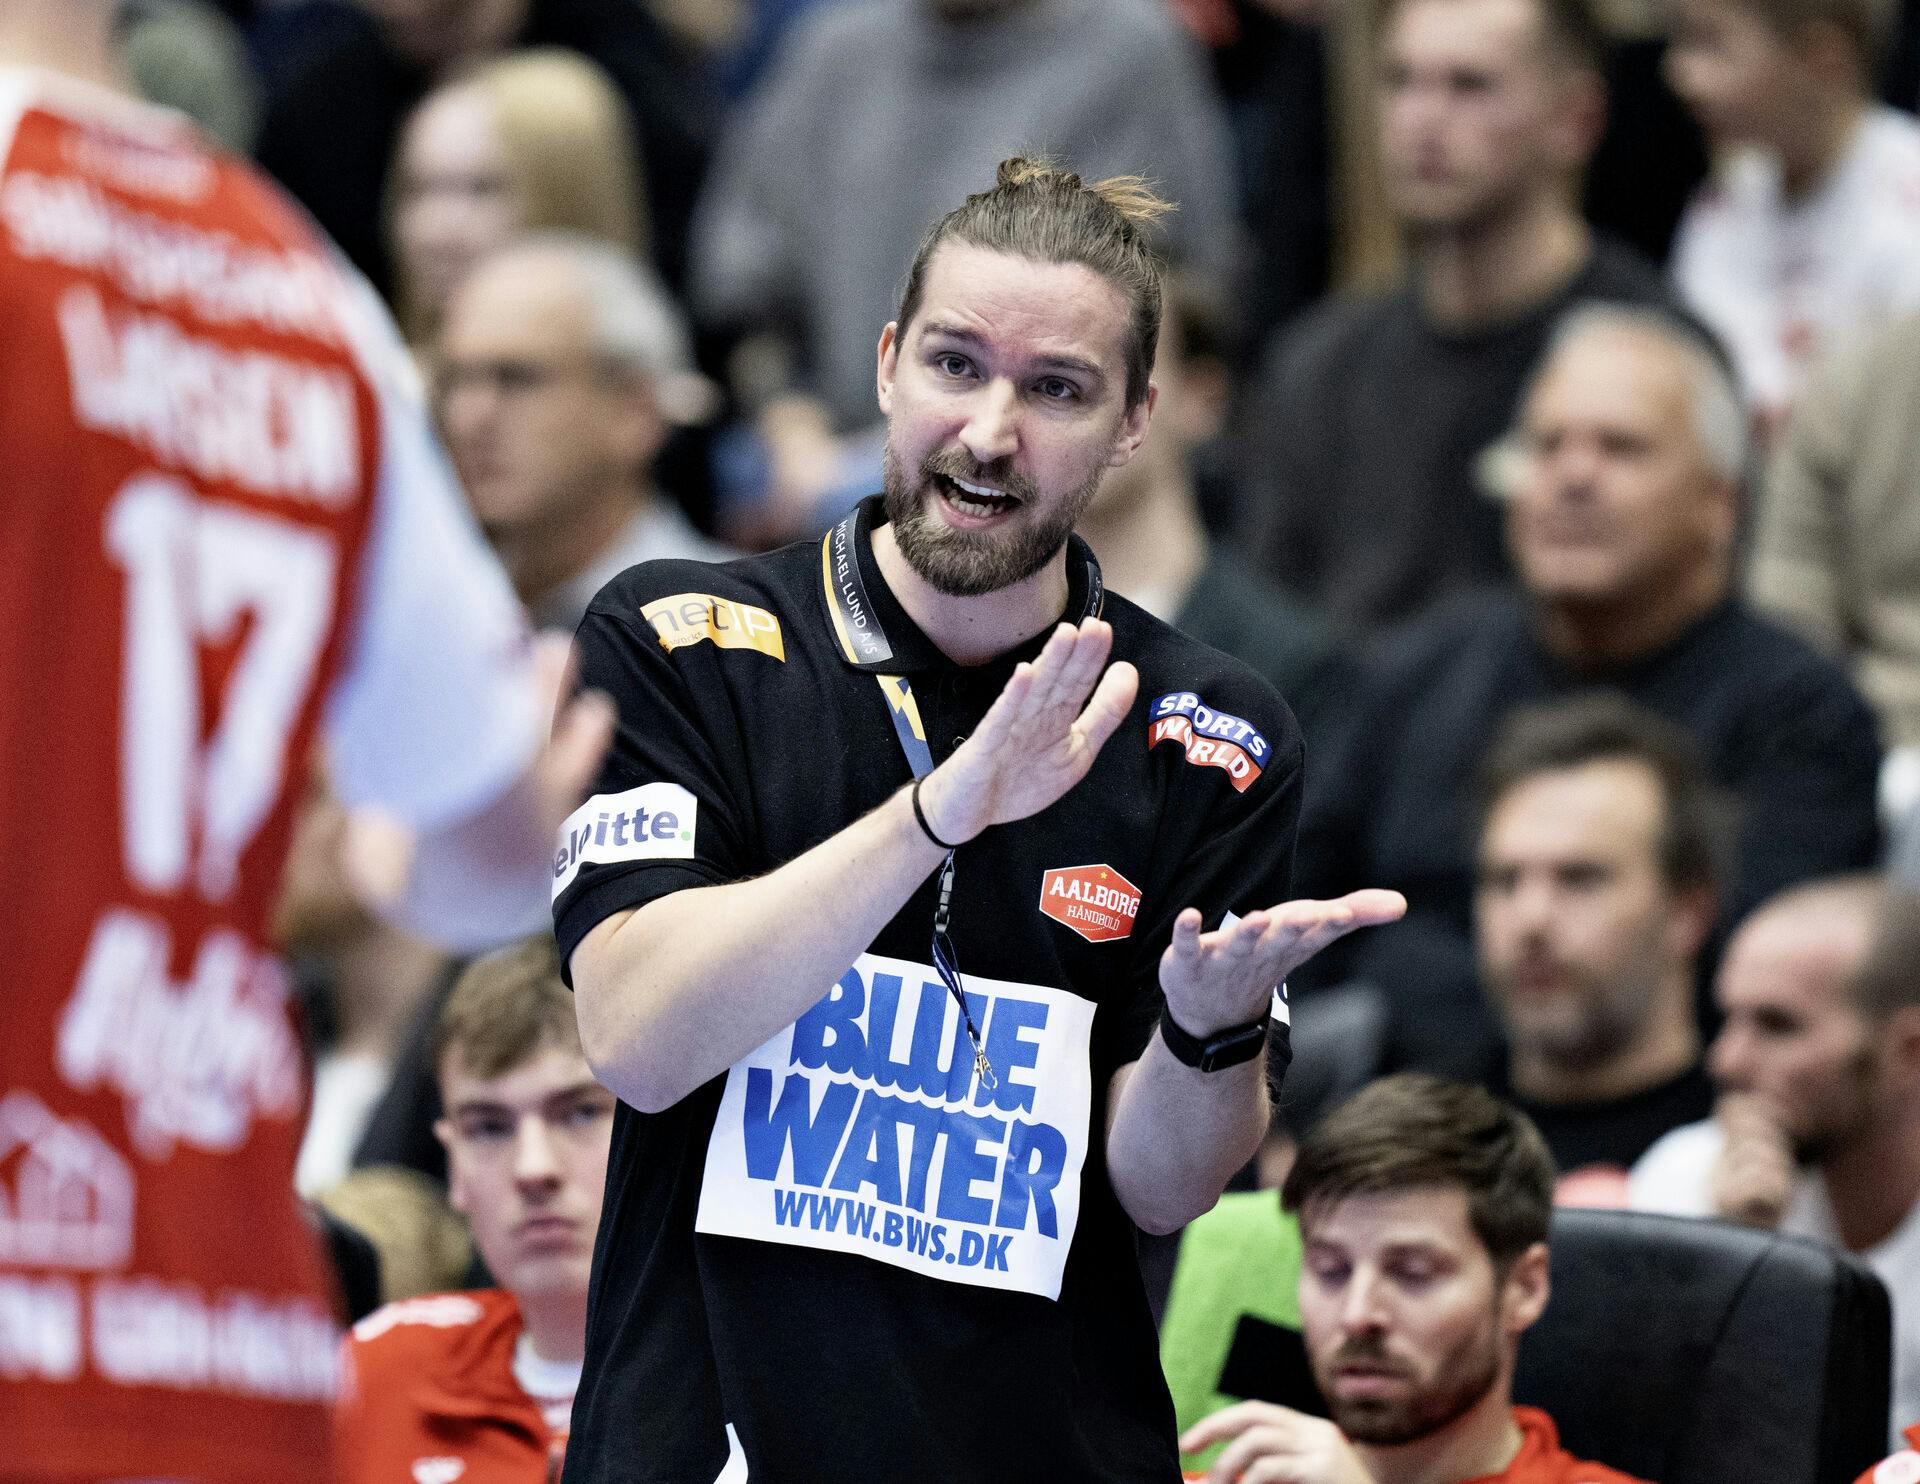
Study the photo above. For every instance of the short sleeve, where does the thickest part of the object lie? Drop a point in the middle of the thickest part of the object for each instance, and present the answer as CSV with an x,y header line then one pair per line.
x,y
437,710
663,814
1239,861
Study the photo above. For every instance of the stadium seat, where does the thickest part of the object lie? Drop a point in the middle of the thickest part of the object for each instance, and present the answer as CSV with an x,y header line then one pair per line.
x,y
1694,1352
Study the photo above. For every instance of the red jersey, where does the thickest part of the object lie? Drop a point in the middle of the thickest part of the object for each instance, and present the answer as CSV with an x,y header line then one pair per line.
x,y
429,1393
193,450
1902,1468
1541,1459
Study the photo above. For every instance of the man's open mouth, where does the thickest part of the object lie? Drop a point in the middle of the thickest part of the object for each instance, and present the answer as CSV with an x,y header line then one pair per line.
x,y
978,500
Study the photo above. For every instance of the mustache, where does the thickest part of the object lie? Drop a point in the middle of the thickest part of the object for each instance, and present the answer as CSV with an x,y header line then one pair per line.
x,y
1366,1351
1000,473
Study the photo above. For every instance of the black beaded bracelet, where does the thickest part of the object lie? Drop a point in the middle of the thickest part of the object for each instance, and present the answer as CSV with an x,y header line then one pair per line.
x,y
920,816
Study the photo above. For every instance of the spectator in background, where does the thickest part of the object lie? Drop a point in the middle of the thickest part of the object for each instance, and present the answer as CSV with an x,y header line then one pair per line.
x,y
1623,487
336,156
1145,524
873,119
1424,1208
486,1379
187,55
1809,235
532,141
1369,414
1818,1128
560,370
1836,547
1599,861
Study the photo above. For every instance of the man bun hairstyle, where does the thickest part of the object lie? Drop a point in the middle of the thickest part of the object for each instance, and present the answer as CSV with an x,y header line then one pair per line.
x,y
1415,1131
1039,211
505,1009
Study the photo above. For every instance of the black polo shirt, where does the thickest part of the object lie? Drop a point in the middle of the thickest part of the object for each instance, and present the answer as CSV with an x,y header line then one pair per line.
x,y
847,1248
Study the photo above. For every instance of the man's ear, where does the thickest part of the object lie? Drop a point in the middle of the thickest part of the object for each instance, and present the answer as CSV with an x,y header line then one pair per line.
x,y
1133,428
1524,1298
887,361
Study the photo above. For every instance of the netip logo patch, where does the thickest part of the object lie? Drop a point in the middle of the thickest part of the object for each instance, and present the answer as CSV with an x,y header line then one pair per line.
x,y
1097,902
655,821
696,618
1212,739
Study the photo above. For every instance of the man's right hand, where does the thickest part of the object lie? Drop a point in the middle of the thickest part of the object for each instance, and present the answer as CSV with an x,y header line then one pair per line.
x,y
1275,1445
1038,739
1753,1180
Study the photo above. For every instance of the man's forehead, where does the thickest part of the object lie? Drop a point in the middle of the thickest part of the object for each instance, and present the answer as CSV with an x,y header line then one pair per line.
x,y
519,304
1484,34
1422,1215
1608,804
1023,306
1611,374
549,1072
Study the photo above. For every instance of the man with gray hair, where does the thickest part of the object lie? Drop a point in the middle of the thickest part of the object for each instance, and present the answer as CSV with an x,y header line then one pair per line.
x,y
561,369
1621,483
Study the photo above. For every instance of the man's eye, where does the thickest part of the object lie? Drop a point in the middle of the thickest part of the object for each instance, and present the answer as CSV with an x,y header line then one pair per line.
x,y
949,364
1057,389
485,1130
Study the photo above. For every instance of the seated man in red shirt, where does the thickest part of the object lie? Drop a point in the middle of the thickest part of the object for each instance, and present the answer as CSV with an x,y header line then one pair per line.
x,y
1423,1208
479,1386
1902,1468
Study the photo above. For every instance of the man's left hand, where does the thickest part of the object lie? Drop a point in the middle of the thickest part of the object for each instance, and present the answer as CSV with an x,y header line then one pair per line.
x,y
1275,1445
1223,978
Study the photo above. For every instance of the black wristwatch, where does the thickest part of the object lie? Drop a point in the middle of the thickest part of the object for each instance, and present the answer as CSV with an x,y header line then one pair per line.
x,y
1227,1048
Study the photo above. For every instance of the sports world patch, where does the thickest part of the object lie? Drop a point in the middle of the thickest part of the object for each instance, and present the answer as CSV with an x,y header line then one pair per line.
x,y
1097,902
695,618
1212,739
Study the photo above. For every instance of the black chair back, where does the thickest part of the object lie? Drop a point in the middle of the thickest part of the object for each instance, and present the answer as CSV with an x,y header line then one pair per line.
x,y
1694,1352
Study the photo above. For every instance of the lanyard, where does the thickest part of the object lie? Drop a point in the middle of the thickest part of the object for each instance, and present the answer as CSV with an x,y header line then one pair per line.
x,y
864,642
862,637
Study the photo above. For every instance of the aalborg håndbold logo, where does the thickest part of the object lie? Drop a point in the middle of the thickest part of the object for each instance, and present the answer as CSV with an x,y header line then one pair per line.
x,y
1097,902
655,821
1213,739
862,1129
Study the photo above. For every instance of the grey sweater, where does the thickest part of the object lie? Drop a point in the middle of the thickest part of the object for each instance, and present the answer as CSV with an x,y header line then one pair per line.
x,y
878,117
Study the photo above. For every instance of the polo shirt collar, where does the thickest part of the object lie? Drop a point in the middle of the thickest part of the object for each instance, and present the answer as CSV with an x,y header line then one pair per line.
x,y
872,632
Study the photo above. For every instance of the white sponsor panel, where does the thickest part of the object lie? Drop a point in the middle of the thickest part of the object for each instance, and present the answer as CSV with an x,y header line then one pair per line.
x,y
435,1310
441,1470
862,1128
66,1195
655,821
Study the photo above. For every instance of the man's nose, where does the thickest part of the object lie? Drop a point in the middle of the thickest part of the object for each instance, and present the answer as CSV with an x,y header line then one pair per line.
x,y
992,430
1361,1311
534,1158
1730,1059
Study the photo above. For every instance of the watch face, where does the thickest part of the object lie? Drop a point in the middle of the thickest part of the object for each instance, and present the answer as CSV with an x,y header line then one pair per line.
x,y
1233,1048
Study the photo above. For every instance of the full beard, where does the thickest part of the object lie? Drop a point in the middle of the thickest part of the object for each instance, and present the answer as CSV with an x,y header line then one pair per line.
x,y
970,564
1462,1381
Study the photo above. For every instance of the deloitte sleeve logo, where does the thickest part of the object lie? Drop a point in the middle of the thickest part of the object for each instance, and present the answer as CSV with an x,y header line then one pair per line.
x,y
655,821
861,1129
1212,739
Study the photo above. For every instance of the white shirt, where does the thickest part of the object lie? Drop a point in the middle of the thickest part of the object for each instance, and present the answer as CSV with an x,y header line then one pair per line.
x,y
1785,283
1675,1176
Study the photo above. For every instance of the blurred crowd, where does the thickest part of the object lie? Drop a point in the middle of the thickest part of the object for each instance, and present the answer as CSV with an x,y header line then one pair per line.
x,y
1539,411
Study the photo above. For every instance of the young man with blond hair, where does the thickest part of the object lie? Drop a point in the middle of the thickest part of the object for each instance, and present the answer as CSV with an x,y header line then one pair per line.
x,y
479,1386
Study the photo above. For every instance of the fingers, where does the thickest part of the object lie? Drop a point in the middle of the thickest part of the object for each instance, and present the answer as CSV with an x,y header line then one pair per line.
x,y
1111,702
1230,1422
